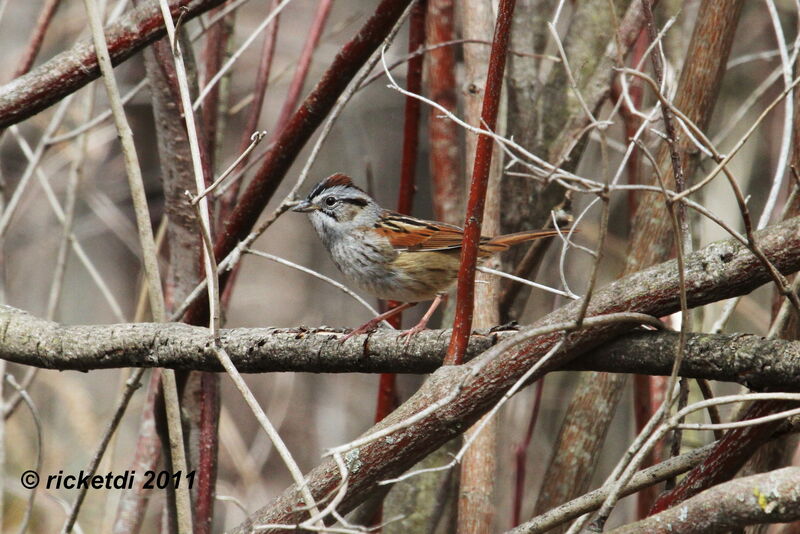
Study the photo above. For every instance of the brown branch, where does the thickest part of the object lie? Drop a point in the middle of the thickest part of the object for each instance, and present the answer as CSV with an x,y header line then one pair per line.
x,y
254,111
69,71
214,53
147,456
765,498
582,433
446,178
304,63
754,361
728,456
37,36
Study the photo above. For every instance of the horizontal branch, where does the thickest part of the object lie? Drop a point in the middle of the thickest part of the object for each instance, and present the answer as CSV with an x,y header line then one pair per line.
x,y
32,341
751,360
759,499
747,359
72,69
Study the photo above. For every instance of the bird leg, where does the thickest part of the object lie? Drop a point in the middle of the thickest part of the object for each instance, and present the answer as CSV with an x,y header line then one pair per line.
x,y
370,325
420,326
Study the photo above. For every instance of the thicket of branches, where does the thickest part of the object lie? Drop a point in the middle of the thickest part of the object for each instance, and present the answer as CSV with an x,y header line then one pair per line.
x,y
151,149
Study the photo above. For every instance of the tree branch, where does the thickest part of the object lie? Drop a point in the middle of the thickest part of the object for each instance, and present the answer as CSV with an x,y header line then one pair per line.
x,y
751,360
70,70
765,498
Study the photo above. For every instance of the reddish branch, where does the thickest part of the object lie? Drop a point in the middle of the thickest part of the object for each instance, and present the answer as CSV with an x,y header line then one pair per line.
x,y
445,169
462,324
408,169
254,111
71,70
204,399
146,457
298,130
720,270
304,63
37,36
214,52
728,456
521,456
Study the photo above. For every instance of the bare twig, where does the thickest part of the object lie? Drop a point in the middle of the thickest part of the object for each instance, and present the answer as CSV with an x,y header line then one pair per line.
x,y
131,385
149,253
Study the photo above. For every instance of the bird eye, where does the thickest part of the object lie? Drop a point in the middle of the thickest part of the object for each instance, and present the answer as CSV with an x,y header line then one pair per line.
x,y
330,201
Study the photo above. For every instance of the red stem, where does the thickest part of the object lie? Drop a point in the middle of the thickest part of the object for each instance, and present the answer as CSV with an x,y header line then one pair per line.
x,y
444,134
462,325
304,63
254,111
294,136
208,448
37,36
408,169
642,412
146,457
216,44
251,123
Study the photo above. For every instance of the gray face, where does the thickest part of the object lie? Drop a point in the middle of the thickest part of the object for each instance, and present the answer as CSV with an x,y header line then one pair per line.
x,y
339,211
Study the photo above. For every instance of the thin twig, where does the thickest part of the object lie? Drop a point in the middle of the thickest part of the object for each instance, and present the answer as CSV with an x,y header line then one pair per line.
x,y
150,256
131,385
23,527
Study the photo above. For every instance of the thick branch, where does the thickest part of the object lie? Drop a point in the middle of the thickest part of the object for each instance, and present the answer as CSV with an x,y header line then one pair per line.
x,y
771,497
70,70
747,359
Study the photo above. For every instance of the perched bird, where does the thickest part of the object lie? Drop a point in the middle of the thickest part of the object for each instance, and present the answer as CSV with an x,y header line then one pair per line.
x,y
389,255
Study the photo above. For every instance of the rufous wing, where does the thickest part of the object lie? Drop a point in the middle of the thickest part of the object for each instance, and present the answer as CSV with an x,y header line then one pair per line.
x,y
407,233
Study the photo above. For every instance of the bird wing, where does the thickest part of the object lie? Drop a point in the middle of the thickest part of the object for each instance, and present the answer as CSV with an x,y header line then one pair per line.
x,y
416,235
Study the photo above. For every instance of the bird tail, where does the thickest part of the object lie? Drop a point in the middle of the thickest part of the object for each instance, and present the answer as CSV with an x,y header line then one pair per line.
x,y
502,242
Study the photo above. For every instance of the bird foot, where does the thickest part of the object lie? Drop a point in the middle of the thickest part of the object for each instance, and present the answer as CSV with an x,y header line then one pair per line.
x,y
366,328
414,330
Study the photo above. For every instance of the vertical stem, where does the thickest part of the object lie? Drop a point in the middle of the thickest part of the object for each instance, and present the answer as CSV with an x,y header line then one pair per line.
x,y
462,324
37,36
217,39
152,275
304,64
254,112
445,168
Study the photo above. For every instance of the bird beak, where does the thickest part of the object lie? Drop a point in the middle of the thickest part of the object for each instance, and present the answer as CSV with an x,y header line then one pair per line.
x,y
305,207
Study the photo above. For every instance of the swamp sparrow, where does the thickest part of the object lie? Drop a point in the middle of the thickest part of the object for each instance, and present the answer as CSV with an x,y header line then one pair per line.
x,y
392,256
